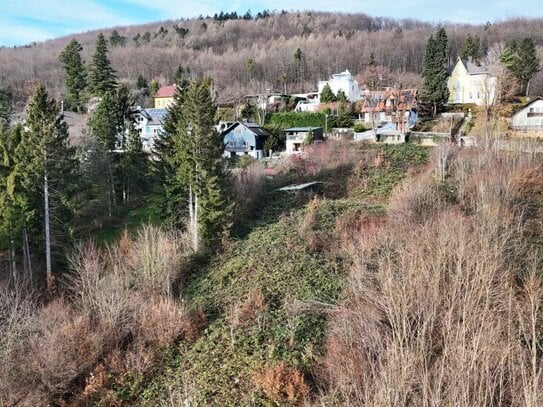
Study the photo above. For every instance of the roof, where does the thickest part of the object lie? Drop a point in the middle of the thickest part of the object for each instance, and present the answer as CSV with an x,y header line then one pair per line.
x,y
299,187
471,67
155,114
528,104
302,129
166,91
255,128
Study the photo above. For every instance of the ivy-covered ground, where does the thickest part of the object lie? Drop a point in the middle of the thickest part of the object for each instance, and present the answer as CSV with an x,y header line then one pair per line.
x,y
265,297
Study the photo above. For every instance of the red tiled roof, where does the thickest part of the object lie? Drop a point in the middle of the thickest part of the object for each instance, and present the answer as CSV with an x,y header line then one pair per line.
x,y
166,91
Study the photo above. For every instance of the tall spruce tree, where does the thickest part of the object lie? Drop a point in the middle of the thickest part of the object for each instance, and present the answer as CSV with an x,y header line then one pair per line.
x,y
521,59
6,106
102,77
45,172
196,150
470,49
327,95
133,169
75,81
434,90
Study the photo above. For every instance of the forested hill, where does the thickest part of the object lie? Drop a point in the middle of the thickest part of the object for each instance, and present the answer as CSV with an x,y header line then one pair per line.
x,y
271,51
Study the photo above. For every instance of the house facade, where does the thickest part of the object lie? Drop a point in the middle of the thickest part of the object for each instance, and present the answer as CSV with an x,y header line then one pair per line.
x,y
149,126
244,138
342,81
398,106
530,117
296,136
164,96
471,83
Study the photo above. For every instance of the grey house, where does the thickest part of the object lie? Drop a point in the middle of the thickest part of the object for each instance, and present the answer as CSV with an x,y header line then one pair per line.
x,y
244,138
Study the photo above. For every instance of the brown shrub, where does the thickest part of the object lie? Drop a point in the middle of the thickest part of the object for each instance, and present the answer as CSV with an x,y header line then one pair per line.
x,y
443,309
160,322
281,383
248,309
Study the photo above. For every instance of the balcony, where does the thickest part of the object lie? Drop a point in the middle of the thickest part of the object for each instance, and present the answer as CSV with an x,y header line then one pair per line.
x,y
535,114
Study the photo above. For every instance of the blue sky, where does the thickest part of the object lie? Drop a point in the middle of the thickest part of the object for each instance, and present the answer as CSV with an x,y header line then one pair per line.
x,y
24,21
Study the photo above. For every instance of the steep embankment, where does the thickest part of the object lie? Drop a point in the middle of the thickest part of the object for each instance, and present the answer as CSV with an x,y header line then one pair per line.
x,y
267,297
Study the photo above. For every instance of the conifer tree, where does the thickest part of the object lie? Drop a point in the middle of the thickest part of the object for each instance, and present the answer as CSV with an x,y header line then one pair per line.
x,y
195,153
470,49
327,95
434,90
102,77
522,61
133,166
75,81
6,106
341,96
45,172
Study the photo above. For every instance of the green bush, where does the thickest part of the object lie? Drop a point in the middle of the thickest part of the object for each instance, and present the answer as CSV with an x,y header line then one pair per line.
x,y
359,127
285,120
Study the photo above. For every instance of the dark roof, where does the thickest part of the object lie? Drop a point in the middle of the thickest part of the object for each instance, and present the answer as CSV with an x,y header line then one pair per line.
x,y
471,67
156,115
255,128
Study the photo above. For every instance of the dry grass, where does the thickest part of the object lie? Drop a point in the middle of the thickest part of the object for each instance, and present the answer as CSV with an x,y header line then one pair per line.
x,y
445,301
119,313
282,384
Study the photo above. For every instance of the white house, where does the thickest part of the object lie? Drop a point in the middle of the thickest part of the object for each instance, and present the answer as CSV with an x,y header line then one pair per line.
x,y
296,136
471,83
149,126
530,117
342,81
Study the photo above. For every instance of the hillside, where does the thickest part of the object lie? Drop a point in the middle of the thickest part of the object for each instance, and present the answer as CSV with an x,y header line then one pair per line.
x,y
221,49
406,267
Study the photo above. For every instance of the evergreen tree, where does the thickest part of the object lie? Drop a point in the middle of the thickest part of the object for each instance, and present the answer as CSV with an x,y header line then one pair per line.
x,y
199,172
75,81
470,49
103,123
327,95
522,61
45,173
344,115
6,107
117,40
181,75
133,169
102,77
434,72
341,96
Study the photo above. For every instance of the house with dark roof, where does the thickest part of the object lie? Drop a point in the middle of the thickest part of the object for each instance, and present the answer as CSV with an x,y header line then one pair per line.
x,y
149,126
469,82
529,117
164,96
244,138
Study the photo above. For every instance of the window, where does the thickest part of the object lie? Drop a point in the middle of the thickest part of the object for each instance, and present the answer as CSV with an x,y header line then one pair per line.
x,y
470,96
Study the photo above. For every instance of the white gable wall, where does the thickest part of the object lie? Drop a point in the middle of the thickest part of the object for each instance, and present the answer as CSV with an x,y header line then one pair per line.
x,y
530,117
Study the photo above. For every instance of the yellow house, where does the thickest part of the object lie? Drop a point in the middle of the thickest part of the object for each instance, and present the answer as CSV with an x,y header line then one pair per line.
x,y
471,83
164,96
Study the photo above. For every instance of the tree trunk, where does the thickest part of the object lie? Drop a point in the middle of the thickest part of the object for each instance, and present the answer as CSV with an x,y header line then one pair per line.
x,y
48,271
26,249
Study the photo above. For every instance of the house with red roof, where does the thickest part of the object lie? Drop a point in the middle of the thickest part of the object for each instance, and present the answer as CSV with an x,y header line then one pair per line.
x,y
164,96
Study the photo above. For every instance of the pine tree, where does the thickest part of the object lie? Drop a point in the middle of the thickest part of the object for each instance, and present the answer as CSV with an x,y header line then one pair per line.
x,y
196,150
103,123
102,77
327,95
522,61
434,72
6,106
75,81
344,115
45,172
470,49
341,96
133,168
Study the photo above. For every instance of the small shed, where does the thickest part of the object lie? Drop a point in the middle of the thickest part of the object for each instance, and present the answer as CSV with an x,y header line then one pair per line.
x,y
296,136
